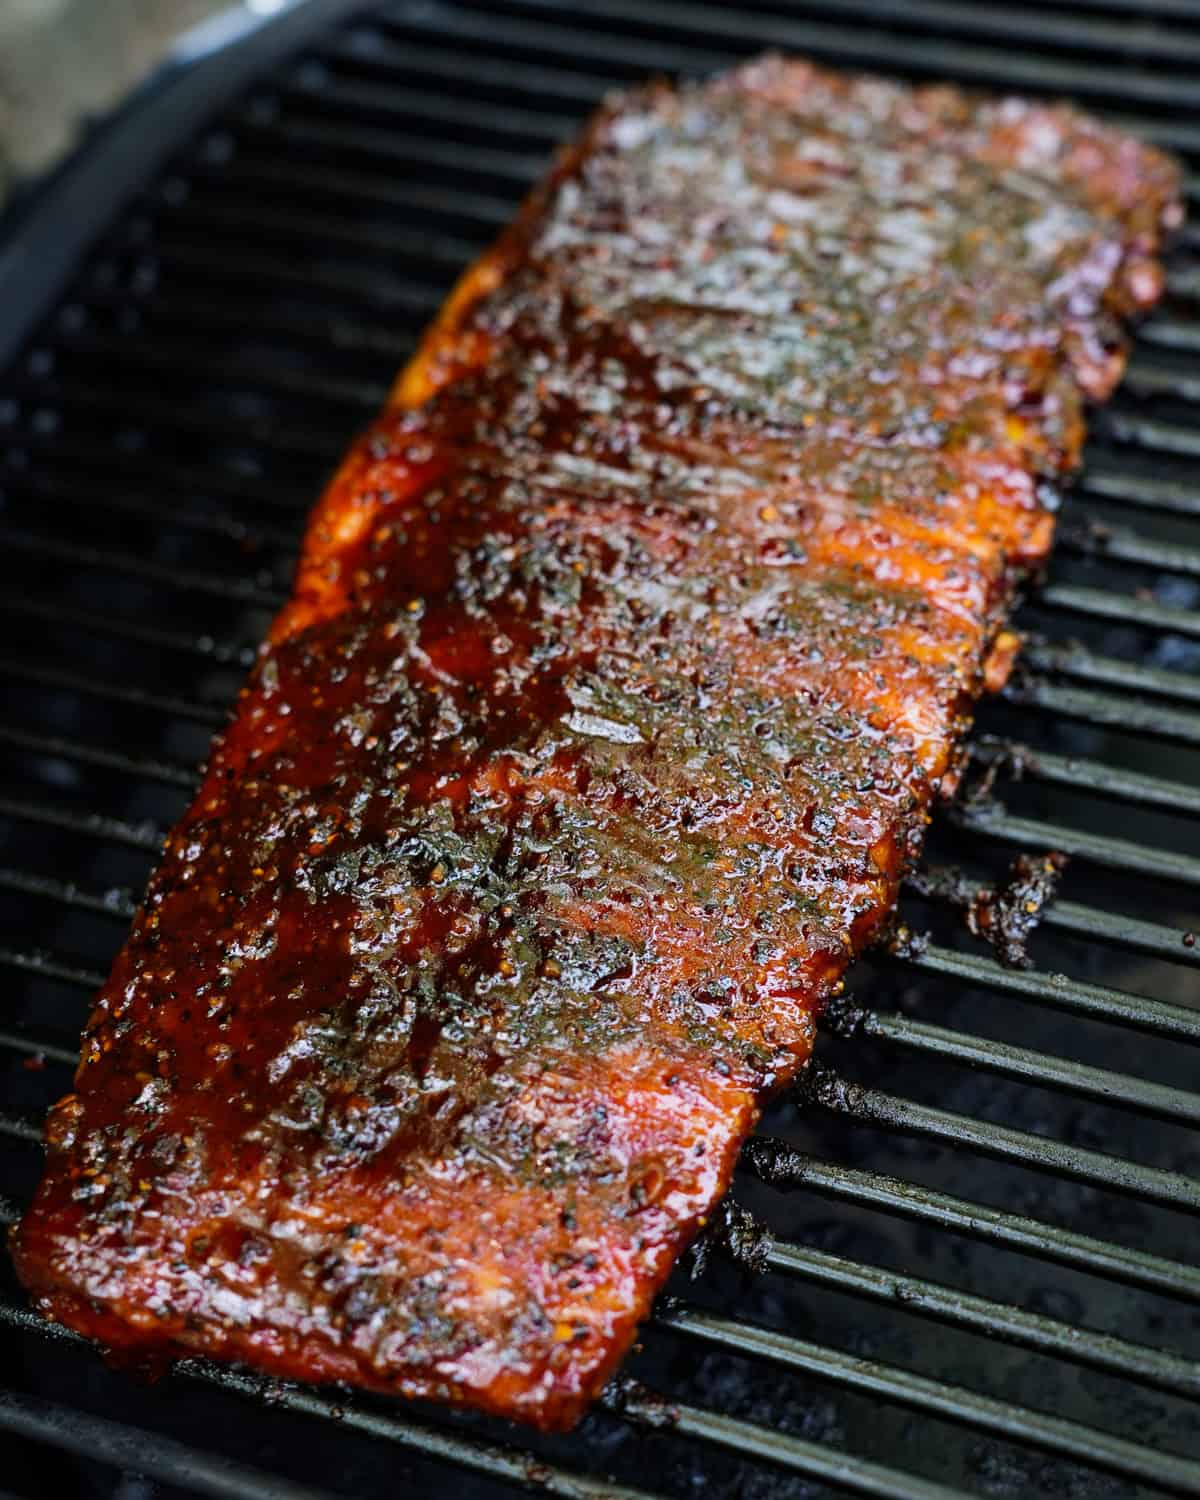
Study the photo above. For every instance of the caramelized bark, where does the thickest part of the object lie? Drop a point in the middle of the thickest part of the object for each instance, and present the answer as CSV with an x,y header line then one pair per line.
x,y
627,652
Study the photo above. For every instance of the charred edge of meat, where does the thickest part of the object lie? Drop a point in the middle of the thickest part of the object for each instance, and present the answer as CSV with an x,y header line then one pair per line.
x,y
1004,915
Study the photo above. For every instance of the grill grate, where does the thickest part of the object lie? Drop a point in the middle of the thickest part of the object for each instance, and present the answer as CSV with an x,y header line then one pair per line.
x,y
982,1277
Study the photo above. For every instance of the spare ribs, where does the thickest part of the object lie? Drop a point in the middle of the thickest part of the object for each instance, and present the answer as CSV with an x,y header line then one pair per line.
x,y
626,655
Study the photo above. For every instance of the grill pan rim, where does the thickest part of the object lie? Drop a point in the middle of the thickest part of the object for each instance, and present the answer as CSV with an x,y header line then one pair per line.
x,y
47,230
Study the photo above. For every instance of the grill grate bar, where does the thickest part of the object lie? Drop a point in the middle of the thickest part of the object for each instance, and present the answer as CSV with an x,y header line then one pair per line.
x,y
169,356
74,682
890,1383
1038,1069
122,628
108,560
1040,28
310,181
46,967
384,291
744,31
163,512
207,476
174,310
484,1458
1069,658
1103,605
247,376
35,1047
314,86
381,291
782,1167
111,1443
166,416
1150,492
241,485
1171,333
871,1106
1185,283
1132,715
86,753
1099,1002
982,1315
87,825
654,1413
1120,544
1153,11
1145,379
382,150
1171,943
20,1130
1143,432
14,1041
375,53
993,820
116,903
219,223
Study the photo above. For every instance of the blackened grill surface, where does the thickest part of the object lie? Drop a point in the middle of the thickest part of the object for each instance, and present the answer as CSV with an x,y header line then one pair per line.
x,y
93,758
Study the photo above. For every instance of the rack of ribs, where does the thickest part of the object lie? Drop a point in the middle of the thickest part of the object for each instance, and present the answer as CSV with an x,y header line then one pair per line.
x,y
626,655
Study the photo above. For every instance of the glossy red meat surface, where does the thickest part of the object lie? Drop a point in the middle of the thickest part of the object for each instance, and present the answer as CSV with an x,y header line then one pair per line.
x,y
627,654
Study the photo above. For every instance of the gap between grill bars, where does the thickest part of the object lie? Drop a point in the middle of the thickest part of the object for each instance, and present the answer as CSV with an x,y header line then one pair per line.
x,y
984,1210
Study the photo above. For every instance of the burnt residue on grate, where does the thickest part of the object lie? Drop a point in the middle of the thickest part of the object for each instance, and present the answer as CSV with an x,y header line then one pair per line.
x,y
1006,914
735,1233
